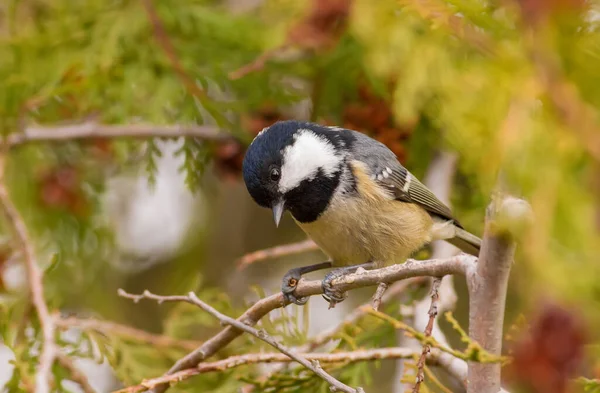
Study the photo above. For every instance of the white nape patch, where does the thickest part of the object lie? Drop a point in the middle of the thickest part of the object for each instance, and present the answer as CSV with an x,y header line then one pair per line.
x,y
302,160
334,128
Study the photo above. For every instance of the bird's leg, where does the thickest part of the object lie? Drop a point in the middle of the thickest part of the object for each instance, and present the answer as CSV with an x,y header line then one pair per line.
x,y
292,277
334,296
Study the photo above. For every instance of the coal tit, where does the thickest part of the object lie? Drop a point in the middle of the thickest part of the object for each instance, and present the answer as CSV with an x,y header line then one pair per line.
x,y
352,197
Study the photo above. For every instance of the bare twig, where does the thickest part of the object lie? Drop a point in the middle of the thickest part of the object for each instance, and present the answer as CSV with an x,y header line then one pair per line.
x,y
433,311
322,338
439,179
260,334
75,374
376,301
125,331
475,349
35,284
162,37
276,252
434,268
255,358
394,290
93,130
258,63
487,283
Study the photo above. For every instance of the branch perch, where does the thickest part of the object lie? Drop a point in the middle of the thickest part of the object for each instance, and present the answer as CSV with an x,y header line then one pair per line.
x,y
314,366
433,268
315,342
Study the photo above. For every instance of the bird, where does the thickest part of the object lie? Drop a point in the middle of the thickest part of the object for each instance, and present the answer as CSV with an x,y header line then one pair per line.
x,y
349,193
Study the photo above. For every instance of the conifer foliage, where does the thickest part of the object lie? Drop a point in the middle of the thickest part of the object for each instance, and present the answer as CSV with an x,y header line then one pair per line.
x,y
92,88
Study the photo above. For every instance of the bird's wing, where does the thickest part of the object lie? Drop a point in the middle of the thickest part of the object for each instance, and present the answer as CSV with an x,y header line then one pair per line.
x,y
407,188
387,171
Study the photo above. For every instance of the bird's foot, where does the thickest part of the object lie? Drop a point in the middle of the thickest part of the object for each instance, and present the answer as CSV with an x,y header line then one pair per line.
x,y
290,281
288,287
333,295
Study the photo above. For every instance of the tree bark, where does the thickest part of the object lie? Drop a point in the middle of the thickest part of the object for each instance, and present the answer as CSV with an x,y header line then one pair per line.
x,y
488,282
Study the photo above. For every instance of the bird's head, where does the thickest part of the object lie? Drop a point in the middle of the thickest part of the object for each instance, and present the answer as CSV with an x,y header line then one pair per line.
x,y
295,166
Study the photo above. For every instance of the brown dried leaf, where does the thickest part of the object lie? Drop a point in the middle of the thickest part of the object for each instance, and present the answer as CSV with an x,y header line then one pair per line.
x,y
323,25
547,357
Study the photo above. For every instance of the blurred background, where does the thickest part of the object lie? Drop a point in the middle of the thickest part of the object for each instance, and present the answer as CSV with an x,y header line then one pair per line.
x,y
510,89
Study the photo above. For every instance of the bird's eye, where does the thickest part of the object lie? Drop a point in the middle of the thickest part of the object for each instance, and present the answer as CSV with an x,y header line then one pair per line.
x,y
275,174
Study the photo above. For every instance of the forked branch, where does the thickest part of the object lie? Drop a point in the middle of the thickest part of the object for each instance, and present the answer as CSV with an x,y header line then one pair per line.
x,y
313,365
412,268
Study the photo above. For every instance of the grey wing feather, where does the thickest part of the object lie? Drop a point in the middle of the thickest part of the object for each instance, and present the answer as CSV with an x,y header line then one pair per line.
x,y
389,173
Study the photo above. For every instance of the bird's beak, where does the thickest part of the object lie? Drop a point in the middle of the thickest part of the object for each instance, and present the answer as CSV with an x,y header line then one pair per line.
x,y
278,208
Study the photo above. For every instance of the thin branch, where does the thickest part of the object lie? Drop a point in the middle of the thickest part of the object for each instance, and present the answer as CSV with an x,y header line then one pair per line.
x,y
255,358
160,33
260,334
360,312
276,252
35,284
125,331
75,374
433,311
351,319
487,283
482,355
376,301
439,179
435,268
259,62
93,130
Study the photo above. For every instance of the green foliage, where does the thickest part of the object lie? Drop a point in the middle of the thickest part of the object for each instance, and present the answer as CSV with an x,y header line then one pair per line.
x,y
590,385
196,157
466,75
494,111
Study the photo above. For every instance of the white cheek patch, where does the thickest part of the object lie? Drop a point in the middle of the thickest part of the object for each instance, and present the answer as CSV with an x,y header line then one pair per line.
x,y
302,160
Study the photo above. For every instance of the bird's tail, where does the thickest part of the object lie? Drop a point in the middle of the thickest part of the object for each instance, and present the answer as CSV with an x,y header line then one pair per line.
x,y
444,229
466,241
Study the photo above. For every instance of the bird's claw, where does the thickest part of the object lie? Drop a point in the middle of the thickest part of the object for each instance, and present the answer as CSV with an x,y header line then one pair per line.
x,y
288,287
332,295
